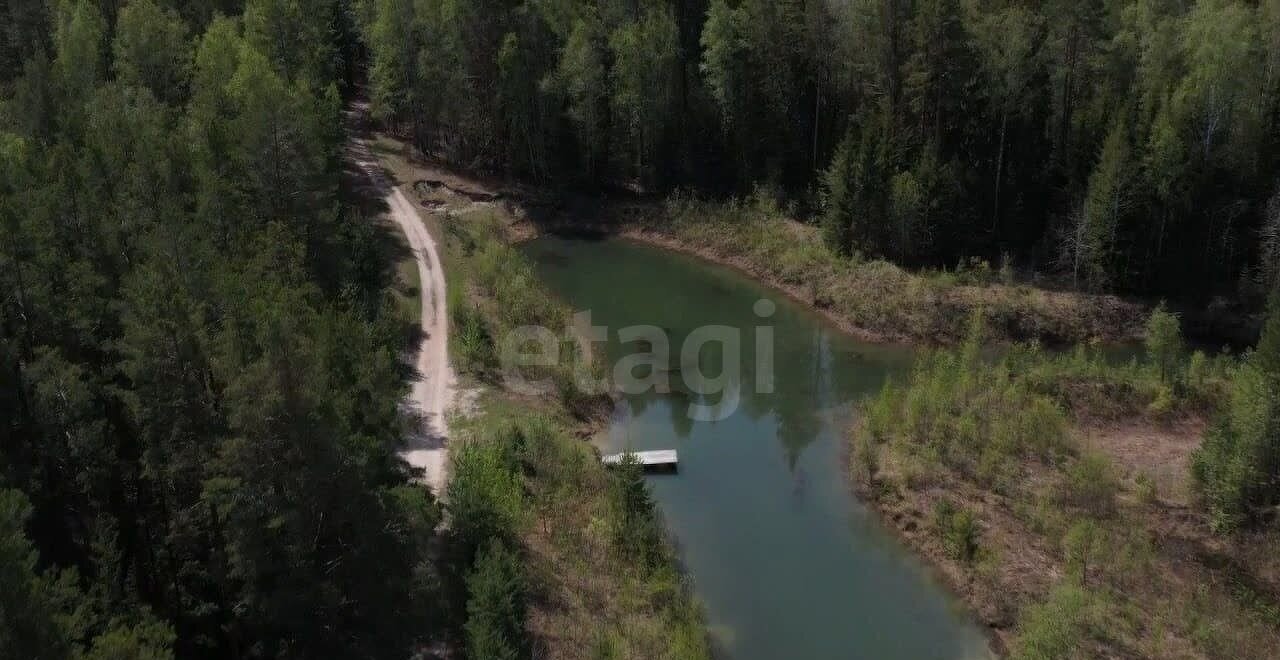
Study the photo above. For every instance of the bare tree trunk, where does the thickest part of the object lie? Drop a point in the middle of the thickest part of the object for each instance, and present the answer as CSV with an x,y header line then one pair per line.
x,y
817,104
1004,124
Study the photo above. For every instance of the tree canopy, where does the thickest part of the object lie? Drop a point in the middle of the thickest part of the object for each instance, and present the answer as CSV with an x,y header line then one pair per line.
x,y
198,389
1126,144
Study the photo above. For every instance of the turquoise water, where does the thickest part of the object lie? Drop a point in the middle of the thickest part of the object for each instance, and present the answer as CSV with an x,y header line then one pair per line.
x,y
787,561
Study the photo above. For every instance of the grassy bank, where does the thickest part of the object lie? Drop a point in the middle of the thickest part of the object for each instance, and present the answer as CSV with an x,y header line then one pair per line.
x,y
582,548
874,298
1049,488
1026,480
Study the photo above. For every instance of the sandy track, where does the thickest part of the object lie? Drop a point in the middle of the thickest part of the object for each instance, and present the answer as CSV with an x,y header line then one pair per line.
x,y
427,446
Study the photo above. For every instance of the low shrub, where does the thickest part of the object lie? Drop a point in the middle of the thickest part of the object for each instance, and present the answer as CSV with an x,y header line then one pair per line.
x,y
1091,484
969,414
1083,547
1056,628
959,530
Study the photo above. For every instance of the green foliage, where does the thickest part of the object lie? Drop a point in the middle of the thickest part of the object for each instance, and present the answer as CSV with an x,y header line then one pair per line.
x,y
873,294
31,625
633,516
152,50
970,415
1132,138
866,459
959,530
79,41
393,58
645,71
581,77
1085,547
1105,203
1145,489
496,606
1236,464
473,345
47,617
1094,386
855,203
1233,464
187,342
599,540
494,292
486,500
1091,485
150,641
1164,345
1056,628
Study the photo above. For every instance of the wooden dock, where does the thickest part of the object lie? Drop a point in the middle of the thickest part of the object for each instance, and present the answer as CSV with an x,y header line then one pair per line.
x,y
652,461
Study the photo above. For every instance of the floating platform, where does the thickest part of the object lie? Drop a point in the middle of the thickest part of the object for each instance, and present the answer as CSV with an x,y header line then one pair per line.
x,y
662,460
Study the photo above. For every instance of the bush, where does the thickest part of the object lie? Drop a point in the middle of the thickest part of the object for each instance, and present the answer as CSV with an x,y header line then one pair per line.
x,y
486,500
866,462
1083,547
1056,628
505,294
1235,466
1091,484
959,530
637,530
972,415
1145,489
1164,345
496,611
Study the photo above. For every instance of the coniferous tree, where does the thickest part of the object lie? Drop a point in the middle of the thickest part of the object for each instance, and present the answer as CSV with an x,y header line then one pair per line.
x,y
496,606
1237,467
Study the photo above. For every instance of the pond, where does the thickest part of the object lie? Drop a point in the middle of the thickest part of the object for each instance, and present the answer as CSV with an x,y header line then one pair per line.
x,y
787,561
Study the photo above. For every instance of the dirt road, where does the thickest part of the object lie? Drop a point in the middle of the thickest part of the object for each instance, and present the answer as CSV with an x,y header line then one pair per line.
x,y
427,447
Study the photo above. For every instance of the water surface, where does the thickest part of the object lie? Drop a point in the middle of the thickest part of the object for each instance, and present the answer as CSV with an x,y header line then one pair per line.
x,y
788,563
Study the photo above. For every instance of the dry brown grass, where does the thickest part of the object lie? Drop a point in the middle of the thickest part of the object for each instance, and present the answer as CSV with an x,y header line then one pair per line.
x,y
1167,587
591,598
875,298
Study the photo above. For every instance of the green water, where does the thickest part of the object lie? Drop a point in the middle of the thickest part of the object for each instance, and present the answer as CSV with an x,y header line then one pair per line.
x,y
788,563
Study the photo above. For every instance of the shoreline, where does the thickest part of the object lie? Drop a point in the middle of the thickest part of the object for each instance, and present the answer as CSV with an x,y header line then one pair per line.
x,y
992,595
792,292
931,562
1015,312
946,572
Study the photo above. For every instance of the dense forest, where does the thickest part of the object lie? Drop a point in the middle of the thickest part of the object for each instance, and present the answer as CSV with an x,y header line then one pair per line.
x,y
1126,145
199,374
203,359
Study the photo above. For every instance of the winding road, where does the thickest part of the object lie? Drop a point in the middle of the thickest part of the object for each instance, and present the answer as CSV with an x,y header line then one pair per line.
x,y
427,447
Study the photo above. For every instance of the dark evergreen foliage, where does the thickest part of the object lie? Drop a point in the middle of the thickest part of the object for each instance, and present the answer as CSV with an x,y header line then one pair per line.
x,y
198,388
1130,145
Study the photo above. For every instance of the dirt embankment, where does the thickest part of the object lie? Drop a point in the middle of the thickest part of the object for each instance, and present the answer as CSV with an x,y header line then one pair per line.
x,y
870,299
874,300
1171,586
1025,560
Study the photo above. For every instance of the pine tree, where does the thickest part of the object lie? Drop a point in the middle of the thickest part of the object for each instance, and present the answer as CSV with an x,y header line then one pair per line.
x,y
496,606
1237,467
1164,343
